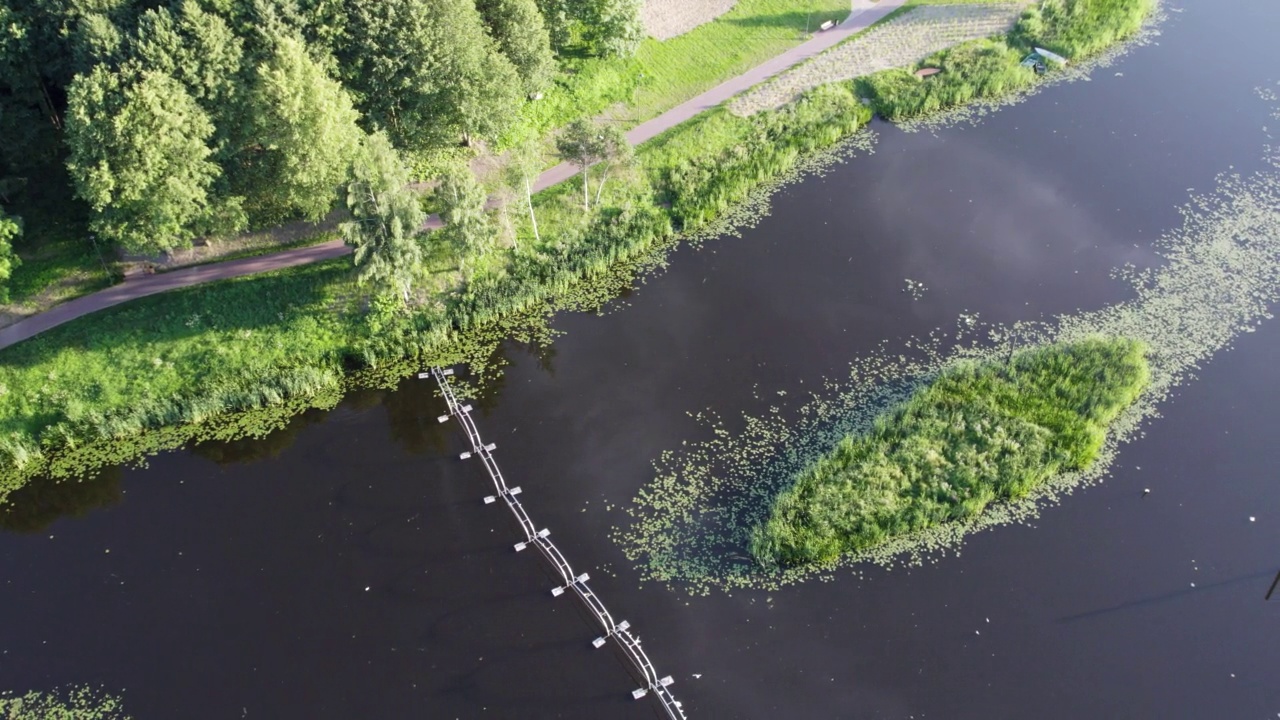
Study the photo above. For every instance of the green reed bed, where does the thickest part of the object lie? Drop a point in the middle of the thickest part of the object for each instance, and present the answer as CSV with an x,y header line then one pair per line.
x,y
1077,29
74,702
971,71
710,164
978,434
180,357
991,68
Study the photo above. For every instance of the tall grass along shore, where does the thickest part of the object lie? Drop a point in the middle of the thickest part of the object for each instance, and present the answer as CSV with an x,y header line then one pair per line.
x,y
991,68
155,373
979,434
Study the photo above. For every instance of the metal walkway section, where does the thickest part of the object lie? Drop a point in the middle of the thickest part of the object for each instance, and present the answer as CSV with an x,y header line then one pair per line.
x,y
620,631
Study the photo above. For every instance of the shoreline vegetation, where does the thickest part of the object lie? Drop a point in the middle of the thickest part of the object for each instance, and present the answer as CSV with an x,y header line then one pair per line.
x,y
978,434
74,702
128,382
991,68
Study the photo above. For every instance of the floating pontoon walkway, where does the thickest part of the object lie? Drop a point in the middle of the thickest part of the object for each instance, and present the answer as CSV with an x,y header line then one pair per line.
x,y
619,631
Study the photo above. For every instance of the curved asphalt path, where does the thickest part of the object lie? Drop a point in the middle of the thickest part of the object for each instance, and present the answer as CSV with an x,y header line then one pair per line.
x,y
145,285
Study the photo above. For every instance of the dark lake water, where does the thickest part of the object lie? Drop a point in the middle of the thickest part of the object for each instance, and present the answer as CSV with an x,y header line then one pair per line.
x,y
346,568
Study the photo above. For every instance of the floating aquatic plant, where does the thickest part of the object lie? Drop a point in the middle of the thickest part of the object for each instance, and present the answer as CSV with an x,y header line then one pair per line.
x,y
1220,273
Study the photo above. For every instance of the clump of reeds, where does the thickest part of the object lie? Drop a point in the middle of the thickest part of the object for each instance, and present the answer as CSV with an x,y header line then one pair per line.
x,y
1079,28
991,68
978,434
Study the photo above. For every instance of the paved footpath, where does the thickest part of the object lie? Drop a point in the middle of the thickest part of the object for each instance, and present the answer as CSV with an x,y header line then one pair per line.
x,y
145,285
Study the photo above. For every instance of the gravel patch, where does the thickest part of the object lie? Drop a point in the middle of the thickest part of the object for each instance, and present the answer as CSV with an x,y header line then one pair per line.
x,y
665,19
902,41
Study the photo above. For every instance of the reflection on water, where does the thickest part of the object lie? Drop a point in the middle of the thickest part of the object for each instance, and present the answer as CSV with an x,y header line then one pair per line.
x,y
36,505
252,449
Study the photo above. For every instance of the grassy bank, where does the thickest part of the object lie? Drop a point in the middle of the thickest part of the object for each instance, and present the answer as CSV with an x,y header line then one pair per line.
x,y
979,434
91,391
60,262
990,68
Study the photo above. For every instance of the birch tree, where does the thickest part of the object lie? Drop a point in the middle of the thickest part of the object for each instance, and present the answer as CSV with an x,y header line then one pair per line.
x,y
386,222
524,161
585,142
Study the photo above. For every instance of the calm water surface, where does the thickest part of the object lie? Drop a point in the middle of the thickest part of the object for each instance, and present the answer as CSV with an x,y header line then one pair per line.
x,y
346,568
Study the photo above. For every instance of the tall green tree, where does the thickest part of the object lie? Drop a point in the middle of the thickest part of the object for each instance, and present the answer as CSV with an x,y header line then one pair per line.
x,y
462,200
28,117
386,223
303,133
612,28
45,43
616,153
522,37
427,72
195,47
579,144
138,156
10,231
98,40
557,16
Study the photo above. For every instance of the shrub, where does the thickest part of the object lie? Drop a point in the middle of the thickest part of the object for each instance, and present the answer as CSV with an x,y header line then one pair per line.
x,y
1079,28
970,71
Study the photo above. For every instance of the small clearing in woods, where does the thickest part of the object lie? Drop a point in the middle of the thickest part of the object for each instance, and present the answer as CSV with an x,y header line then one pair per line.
x,y
665,19
902,41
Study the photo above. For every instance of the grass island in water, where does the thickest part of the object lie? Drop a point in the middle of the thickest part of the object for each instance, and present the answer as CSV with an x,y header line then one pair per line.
x,y
979,433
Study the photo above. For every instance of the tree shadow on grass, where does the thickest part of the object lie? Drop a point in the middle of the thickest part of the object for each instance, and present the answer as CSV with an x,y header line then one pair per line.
x,y
795,21
252,303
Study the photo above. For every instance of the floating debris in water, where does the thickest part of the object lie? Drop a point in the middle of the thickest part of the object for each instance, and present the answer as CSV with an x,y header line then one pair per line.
x,y
915,288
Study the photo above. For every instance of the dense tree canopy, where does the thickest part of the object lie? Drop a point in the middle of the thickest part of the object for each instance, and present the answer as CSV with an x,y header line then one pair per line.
x,y
302,135
182,118
522,37
194,47
139,158
612,27
427,72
